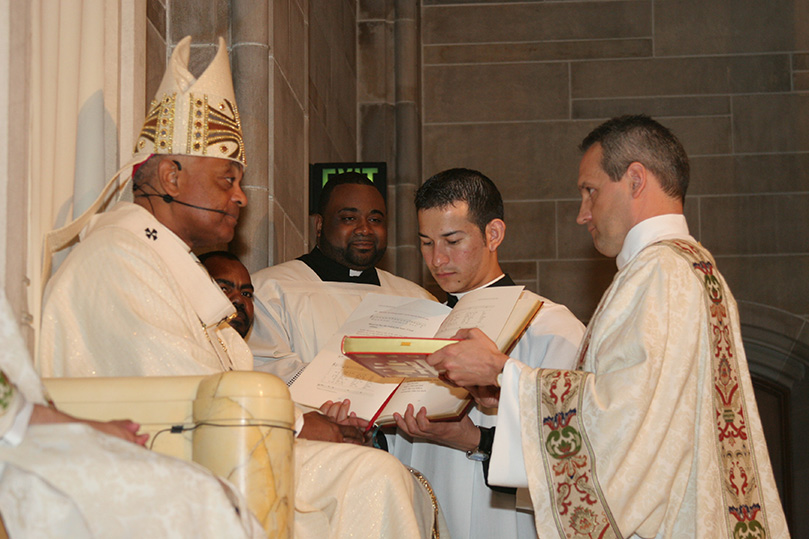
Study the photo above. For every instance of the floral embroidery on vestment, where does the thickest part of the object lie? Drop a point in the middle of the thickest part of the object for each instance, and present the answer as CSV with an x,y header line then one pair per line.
x,y
579,507
737,463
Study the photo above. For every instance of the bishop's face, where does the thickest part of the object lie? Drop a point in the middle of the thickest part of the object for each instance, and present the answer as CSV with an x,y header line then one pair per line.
x,y
214,184
353,229
605,204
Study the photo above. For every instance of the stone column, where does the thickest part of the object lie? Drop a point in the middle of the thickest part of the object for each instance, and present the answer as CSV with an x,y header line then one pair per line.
x,y
389,98
408,135
251,34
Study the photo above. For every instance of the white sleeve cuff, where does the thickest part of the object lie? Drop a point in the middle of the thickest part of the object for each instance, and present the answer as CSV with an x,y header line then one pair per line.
x,y
507,467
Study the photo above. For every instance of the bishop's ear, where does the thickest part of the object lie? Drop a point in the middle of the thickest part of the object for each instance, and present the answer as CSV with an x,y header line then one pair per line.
x,y
168,176
495,234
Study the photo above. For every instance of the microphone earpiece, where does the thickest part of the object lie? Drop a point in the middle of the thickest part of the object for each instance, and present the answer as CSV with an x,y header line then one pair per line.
x,y
168,199
179,166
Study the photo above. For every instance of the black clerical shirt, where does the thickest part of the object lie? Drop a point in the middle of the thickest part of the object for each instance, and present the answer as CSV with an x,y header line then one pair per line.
x,y
332,271
505,280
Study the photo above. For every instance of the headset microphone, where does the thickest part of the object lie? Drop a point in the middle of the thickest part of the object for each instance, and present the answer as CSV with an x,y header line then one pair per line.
x,y
168,199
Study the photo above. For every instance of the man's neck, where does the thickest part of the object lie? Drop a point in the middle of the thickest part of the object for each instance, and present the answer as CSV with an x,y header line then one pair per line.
x,y
332,271
660,227
502,280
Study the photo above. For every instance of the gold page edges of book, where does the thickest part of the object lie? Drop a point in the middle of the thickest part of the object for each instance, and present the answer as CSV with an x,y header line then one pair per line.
x,y
394,356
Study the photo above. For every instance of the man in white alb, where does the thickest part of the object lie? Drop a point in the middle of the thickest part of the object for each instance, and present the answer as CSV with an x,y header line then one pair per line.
x,y
657,433
461,227
300,304
233,278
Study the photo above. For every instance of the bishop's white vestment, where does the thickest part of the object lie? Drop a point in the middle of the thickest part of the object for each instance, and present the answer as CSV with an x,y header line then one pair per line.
x,y
657,434
70,480
131,300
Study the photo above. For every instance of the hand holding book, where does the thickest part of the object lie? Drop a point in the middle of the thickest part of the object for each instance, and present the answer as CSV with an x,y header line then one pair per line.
x,y
332,376
472,361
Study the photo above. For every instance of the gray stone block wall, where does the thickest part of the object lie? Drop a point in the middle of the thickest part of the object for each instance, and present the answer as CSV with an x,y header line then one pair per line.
x,y
510,88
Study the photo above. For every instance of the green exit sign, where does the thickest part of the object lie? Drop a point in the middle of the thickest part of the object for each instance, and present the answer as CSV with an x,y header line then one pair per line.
x,y
319,174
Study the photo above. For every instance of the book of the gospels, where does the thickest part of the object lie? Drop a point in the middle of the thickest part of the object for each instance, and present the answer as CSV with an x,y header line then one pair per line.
x,y
502,313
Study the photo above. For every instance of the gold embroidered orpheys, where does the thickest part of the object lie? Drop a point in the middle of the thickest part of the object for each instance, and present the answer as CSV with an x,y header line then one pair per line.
x,y
578,504
741,492
213,131
436,534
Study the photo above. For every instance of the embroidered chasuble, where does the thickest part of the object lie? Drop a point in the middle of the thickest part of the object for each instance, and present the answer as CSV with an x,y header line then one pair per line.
x,y
657,434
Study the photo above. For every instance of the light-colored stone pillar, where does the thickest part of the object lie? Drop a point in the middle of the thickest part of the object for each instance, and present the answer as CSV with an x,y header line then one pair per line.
x,y
244,433
389,99
251,35
408,135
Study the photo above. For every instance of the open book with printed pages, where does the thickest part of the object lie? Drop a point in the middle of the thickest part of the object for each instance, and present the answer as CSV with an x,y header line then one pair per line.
x,y
333,376
407,356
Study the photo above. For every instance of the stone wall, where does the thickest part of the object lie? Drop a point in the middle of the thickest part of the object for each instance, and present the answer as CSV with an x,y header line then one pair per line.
x,y
511,88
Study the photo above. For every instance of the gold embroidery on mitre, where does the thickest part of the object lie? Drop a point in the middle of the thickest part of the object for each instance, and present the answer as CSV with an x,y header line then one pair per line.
x,y
214,131
225,129
158,128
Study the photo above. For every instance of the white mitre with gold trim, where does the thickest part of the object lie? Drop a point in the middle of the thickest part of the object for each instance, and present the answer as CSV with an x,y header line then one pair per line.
x,y
188,116
191,116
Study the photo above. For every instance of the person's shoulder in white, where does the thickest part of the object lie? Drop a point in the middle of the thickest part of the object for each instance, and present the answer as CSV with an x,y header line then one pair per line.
x,y
392,284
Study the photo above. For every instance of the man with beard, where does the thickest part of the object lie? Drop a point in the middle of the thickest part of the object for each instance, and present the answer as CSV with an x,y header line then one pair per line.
x,y
300,304
233,278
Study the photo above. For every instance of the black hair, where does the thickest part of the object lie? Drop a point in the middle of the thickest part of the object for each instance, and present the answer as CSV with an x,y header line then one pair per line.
x,y
462,185
344,178
221,254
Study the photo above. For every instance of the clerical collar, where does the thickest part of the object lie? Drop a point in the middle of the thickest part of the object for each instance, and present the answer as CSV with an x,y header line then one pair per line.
x,y
332,271
662,227
503,280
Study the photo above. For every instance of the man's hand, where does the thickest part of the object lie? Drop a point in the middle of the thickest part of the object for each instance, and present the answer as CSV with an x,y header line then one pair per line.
x,y
317,426
342,414
475,361
463,434
486,396
121,428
